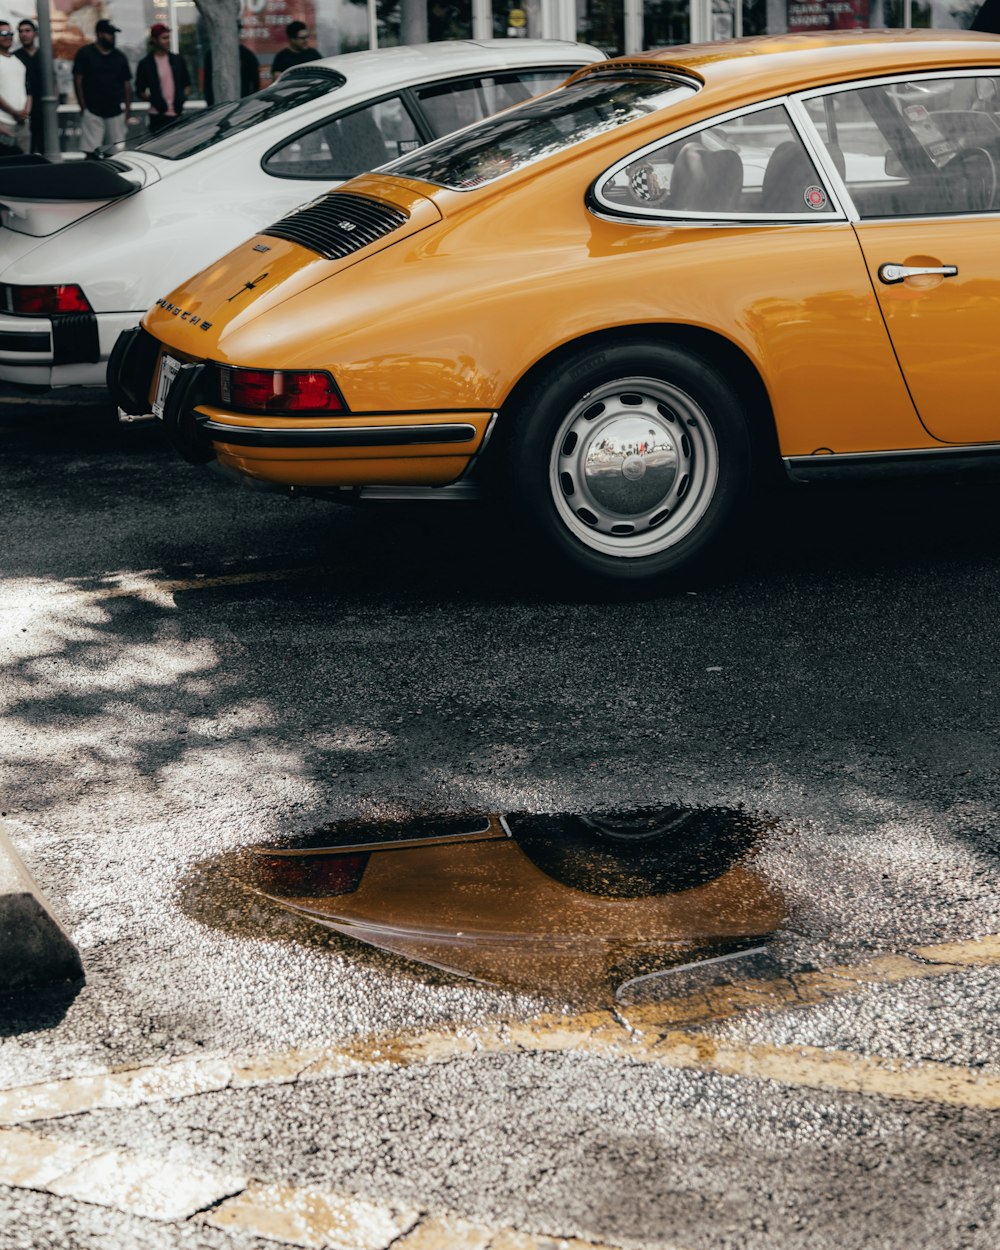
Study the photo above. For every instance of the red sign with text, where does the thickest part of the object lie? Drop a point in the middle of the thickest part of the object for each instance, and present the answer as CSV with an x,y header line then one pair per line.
x,y
827,14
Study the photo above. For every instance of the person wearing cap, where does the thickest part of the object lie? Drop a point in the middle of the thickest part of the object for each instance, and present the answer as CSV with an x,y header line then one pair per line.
x,y
27,54
103,83
15,102
162,78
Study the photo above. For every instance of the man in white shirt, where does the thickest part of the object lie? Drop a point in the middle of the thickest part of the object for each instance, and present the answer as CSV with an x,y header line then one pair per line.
x,y
15,103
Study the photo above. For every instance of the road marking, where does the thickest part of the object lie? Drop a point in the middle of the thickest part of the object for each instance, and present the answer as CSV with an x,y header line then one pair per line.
x,y
644,1034
170,1191
158,1189
311,1218
835,1071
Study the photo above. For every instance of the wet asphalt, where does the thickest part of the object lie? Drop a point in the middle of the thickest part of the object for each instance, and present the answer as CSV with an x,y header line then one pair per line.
x,y
835,681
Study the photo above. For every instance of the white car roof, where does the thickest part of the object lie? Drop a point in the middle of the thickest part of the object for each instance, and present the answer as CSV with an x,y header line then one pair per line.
x,y
412,63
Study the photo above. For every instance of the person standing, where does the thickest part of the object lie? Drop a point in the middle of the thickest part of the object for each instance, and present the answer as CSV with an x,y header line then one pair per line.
x,y
27,54
298,51
103,83
162,78
15,102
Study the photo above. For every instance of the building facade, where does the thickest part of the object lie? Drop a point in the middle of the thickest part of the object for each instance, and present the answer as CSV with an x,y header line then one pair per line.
x,y
616,26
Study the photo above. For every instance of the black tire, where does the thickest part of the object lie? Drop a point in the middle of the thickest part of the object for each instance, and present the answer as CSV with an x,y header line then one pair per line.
x,y
629,461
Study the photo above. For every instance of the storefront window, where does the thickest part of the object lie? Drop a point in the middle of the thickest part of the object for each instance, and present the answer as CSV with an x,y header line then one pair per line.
x,y
420,21
724,19
942,15
666,22
602,23
775,17
517,19
337,26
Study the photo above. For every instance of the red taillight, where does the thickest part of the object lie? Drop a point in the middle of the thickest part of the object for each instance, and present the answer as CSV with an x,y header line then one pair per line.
x,y
279,391
43,300
308,876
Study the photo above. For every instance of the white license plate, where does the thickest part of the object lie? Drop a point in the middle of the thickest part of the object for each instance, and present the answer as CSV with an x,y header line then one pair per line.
x,y
164,379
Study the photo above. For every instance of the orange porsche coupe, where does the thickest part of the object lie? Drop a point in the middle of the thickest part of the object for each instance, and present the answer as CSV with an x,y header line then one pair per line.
x,y
614,305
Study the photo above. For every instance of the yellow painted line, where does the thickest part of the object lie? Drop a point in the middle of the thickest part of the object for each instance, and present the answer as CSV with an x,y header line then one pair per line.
x,y
984,951
170,1191
158,1189
642,1034
836,1071
312,1218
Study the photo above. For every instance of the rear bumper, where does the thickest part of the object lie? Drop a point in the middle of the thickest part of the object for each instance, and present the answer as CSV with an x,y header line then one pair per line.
x,y
373,449
70,349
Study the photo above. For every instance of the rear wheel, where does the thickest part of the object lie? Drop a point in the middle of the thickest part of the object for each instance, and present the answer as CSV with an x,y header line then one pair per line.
x,y
630,460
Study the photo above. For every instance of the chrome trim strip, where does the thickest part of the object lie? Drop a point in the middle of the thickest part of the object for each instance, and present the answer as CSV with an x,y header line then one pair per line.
x,y
491,426
462,490
716,223
908,460
337,436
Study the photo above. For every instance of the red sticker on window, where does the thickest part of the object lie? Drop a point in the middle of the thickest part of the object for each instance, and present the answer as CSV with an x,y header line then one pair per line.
x,y
815,198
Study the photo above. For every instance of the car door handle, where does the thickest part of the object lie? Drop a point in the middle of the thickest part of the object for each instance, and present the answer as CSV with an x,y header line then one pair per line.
x,y
898,273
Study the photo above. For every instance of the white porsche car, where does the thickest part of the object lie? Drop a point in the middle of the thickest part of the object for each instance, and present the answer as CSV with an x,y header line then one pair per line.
x,y
87,246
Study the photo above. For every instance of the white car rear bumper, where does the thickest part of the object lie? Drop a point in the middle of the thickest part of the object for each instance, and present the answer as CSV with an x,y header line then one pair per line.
x,y
72,350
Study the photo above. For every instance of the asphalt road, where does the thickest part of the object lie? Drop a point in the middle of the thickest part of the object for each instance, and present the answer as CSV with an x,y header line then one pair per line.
x,y
191,669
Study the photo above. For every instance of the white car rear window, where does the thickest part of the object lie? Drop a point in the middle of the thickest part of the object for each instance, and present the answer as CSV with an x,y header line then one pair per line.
x,y
202,130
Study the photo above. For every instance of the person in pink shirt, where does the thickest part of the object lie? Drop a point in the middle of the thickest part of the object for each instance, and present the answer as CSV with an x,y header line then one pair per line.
x,y
162,78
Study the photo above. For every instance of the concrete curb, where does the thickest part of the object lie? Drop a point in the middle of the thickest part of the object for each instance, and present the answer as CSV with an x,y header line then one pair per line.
x,y
34,948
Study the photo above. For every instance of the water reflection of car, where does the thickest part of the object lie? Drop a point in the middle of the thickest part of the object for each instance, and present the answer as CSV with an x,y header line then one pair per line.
x,y
814,288
89,245
568,904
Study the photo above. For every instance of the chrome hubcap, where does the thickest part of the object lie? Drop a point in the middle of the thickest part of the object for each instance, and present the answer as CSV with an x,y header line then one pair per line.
x,y
633,467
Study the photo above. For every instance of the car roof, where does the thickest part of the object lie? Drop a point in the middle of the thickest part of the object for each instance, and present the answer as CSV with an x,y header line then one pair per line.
x,y
411,63
770,65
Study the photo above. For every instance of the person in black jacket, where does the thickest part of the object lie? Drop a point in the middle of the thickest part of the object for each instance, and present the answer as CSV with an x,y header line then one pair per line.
x,y
162,78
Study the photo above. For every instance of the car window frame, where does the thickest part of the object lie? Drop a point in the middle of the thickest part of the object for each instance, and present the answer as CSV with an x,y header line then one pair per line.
x,y
403,94
418,115
653,216
800,99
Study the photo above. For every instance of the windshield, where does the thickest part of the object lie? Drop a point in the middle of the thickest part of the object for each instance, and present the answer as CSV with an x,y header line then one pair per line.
x,y
202,130
539,128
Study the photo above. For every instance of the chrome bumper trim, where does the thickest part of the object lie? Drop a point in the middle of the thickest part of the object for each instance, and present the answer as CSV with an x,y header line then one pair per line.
x,y
337,436
838,465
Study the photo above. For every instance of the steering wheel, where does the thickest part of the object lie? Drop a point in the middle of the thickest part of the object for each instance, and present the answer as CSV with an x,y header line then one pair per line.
x,y
978,170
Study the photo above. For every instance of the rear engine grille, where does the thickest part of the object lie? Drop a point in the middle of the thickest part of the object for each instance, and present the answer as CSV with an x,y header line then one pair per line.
x,y
338,224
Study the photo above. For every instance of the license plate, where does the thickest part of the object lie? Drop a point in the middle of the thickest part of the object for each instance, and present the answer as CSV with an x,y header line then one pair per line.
x,y
164,379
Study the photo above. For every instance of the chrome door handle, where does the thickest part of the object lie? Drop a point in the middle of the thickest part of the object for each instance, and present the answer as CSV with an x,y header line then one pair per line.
x,y
897,273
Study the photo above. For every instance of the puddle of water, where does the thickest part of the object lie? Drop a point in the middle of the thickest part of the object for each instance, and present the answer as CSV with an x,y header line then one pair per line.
x,y
585,907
